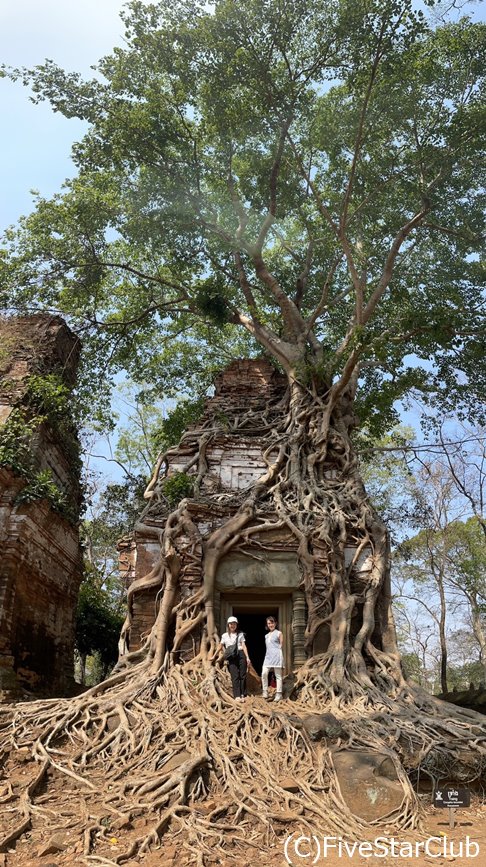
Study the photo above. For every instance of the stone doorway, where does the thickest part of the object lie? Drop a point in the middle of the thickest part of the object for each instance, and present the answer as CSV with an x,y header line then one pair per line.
x,y
252,614
256,584
252,623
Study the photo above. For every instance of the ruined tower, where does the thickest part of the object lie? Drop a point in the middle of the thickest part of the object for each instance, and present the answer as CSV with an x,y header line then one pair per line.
x,y
261,576
41,562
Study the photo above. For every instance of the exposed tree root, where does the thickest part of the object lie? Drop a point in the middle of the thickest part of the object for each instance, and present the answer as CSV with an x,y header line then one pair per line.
x,y
195,763
162,740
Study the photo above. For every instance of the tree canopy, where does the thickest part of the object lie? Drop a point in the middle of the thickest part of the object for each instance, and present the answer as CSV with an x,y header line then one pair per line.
x,y
303,176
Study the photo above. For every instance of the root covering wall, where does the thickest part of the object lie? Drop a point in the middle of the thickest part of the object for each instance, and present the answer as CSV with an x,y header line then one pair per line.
x,y
262,572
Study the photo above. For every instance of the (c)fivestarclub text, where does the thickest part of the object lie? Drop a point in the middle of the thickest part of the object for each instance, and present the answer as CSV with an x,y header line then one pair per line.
x,y
310,849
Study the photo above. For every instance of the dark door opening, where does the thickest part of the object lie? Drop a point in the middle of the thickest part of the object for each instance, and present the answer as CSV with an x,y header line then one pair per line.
x,y
252,623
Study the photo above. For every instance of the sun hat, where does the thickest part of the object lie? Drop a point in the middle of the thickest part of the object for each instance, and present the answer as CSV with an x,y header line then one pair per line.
x,y
232,620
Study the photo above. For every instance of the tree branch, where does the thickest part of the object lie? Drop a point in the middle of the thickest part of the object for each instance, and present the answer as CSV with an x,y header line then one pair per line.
x,y
286,352
323,301
390,262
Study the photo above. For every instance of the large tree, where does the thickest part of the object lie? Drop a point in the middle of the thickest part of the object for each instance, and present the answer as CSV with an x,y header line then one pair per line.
x,y
302,178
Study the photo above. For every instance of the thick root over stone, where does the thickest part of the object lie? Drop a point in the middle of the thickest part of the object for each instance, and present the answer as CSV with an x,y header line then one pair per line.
x,y
211,772
161,750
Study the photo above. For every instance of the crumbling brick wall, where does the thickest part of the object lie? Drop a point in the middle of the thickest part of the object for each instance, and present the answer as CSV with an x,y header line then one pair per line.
x,y
41,562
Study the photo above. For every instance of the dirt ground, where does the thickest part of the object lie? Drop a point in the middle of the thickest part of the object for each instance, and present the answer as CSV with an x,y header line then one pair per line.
x,y
65,813
64,847
469,823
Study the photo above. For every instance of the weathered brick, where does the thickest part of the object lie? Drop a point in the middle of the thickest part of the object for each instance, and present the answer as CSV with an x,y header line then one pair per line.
x,y
41,563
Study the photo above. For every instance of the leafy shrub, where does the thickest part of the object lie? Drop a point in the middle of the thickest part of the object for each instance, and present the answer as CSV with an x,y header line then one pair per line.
x,y
49,393
42,486
98,625
176,487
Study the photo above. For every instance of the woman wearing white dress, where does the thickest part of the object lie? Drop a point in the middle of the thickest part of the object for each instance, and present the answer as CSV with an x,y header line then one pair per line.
x,y
273,658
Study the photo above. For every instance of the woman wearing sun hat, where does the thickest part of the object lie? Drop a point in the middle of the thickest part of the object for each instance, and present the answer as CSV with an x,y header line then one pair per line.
x,y
238,660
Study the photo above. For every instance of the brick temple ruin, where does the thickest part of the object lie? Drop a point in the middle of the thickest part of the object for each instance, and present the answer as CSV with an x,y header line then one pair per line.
x,y
262,576
41,560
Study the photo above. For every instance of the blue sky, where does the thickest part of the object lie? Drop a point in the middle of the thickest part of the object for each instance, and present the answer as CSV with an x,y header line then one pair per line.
x,y
36,143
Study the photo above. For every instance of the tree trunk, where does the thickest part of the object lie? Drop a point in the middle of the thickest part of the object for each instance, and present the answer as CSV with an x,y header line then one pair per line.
x,y
439,577
314,489
478,629
82,668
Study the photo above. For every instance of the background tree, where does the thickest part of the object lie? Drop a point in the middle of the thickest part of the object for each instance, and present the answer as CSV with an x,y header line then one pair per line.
x,y
465,461
98,624
304,179
466,671
390,472
428,559
467,575
441,569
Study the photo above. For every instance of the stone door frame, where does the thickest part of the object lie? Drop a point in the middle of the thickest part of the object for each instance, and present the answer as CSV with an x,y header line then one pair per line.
x,y
283,602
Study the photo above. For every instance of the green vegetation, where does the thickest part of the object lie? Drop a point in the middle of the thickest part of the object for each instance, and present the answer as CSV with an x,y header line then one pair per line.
x,y
15,439
98,625
176,487
101,603
46,402
317,193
